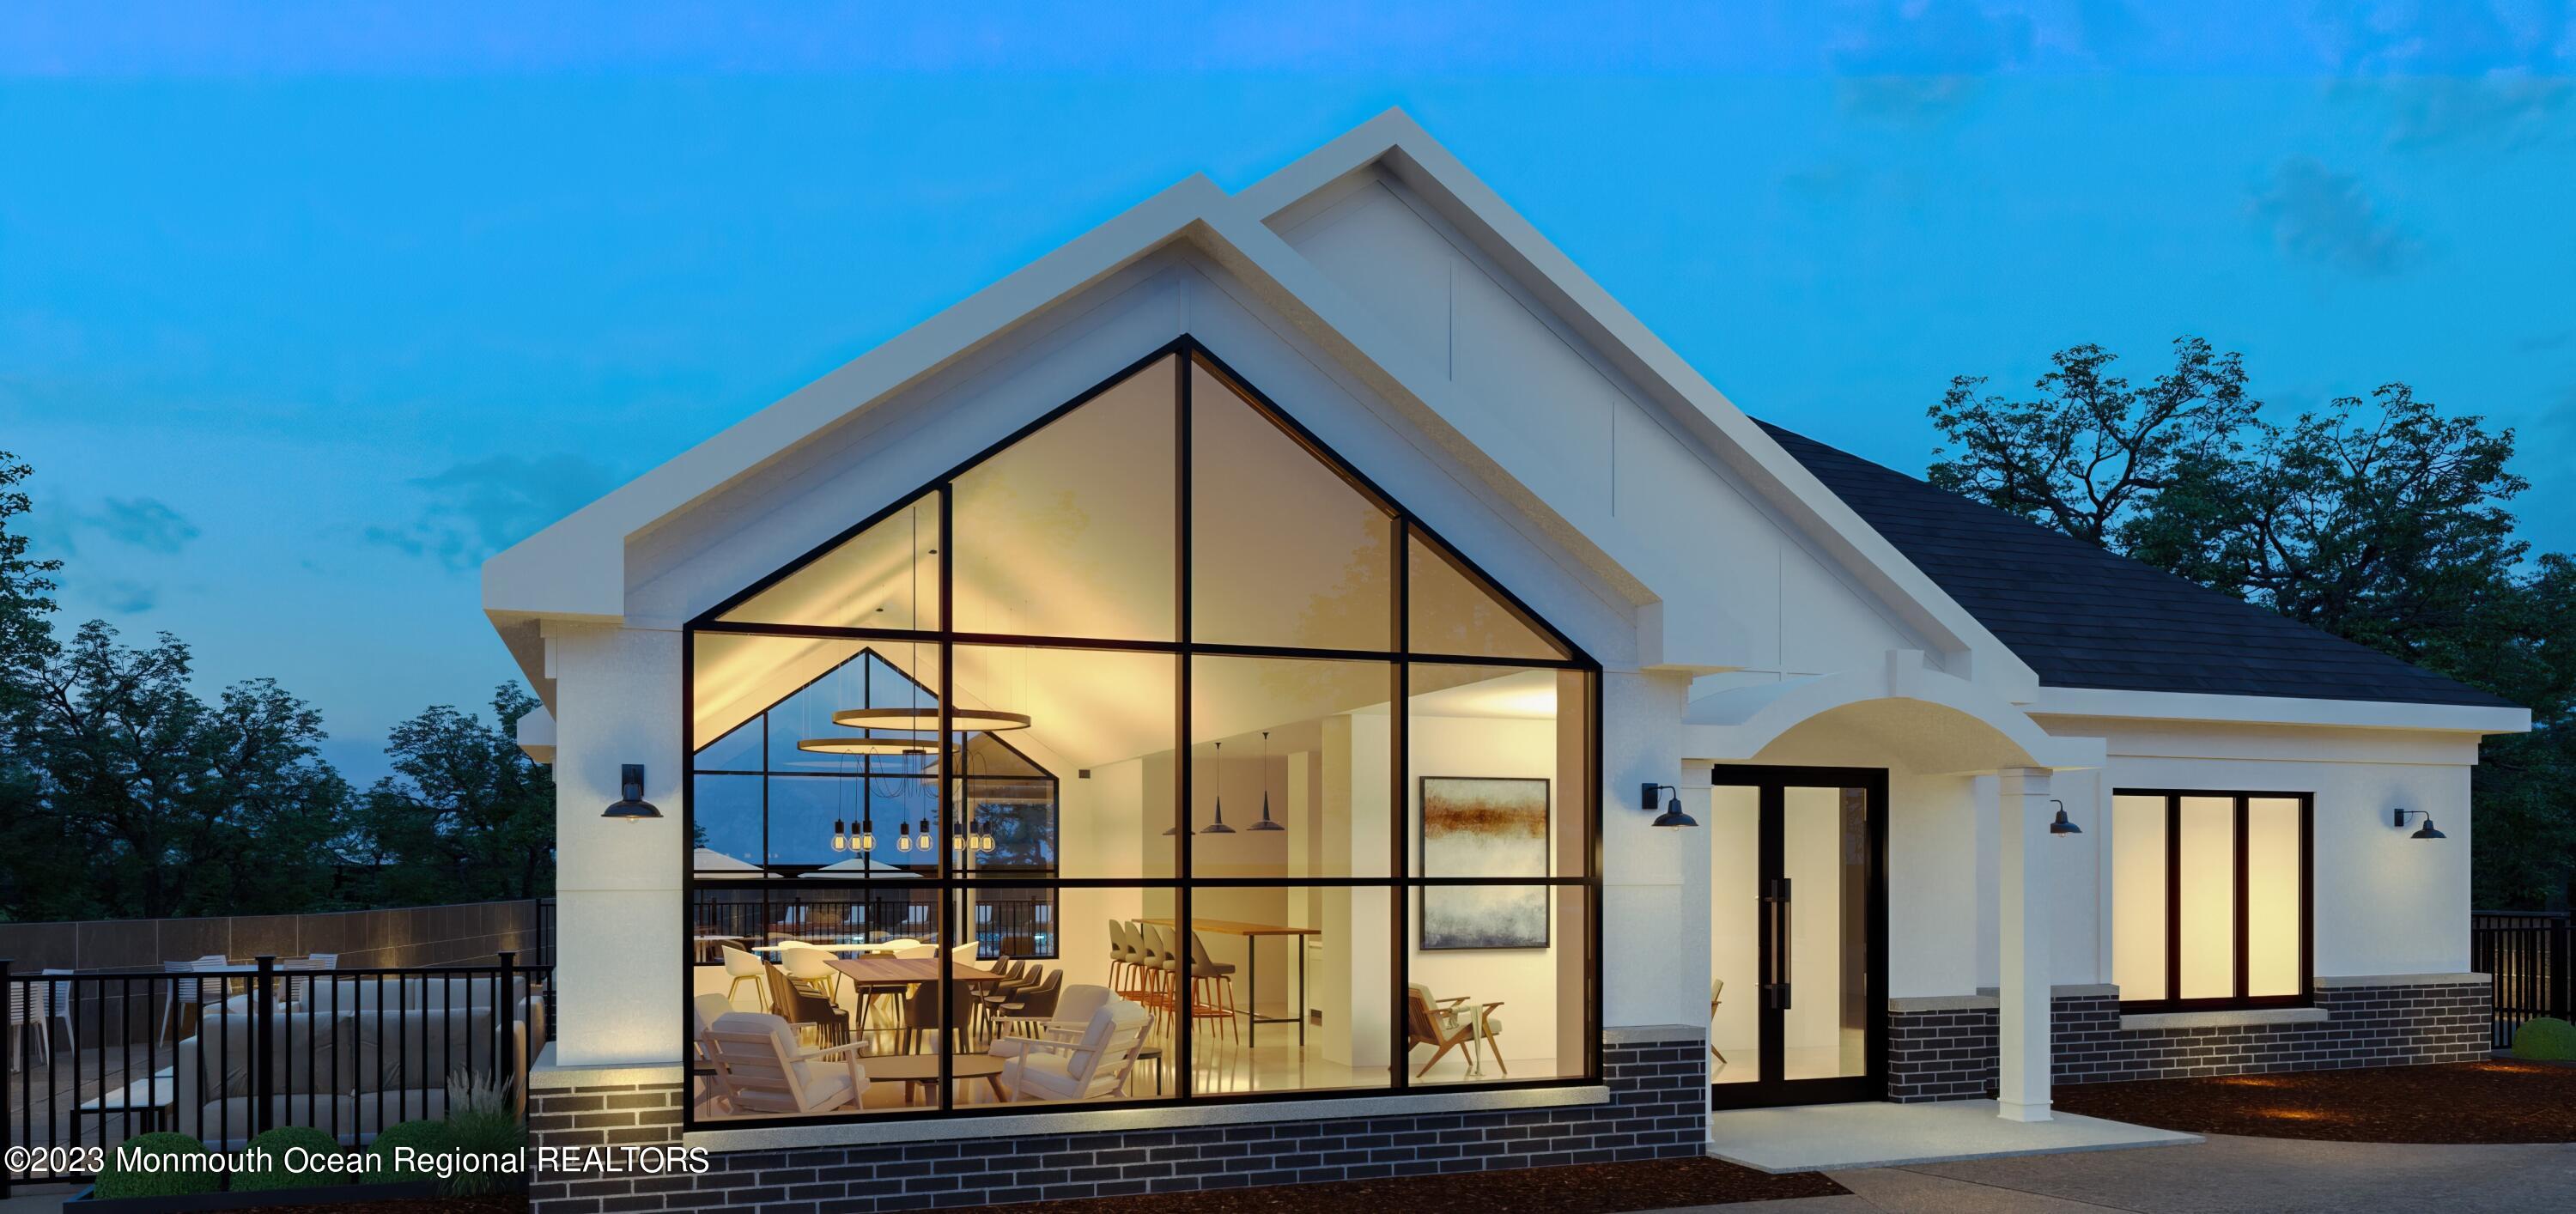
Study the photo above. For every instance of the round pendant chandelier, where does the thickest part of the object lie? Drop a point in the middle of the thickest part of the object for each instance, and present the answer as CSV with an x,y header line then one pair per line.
x,y
920,720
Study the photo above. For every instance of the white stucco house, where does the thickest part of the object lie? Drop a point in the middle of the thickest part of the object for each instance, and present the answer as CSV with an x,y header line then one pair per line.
x,y
1537,748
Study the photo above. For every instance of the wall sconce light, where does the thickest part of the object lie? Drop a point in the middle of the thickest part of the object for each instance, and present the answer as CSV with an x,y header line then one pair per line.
x,y
2425,831
630,785
2061,826
1672,815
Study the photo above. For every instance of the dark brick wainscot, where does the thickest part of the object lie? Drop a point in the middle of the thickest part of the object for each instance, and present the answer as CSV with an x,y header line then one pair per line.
x,y
1944,1048
1657,1108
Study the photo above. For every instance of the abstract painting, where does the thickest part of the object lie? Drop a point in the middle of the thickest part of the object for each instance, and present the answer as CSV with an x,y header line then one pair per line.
x,y
1484,827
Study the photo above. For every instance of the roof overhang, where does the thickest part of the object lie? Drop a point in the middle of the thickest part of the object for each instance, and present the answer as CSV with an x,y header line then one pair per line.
x,y
575,570
2110,704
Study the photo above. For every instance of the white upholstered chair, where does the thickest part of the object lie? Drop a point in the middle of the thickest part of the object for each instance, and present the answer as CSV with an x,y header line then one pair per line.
x,y
759,1068
1092,1065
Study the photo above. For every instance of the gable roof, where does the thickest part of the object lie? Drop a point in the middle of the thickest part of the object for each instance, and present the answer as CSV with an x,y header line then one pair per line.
x,y
2084,617
574,569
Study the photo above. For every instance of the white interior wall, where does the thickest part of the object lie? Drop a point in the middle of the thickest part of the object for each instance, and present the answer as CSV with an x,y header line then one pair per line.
x,y
1525,979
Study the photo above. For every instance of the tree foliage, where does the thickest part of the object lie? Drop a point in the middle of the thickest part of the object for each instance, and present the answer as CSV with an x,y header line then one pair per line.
x,y
467,815
2381,520
125,793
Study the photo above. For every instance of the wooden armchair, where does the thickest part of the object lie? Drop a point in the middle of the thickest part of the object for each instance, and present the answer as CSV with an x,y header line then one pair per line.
x,y
1447,1024
759,1067
1093,1066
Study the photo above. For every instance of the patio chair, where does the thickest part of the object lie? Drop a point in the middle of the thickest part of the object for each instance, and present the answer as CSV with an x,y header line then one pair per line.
x,y
58,1006
1092,1066
1447,1024
761,1069
295,990
705,1010
188,996
26,1015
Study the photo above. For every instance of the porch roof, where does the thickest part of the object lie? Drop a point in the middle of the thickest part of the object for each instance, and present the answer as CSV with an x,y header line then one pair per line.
x,y
2083,617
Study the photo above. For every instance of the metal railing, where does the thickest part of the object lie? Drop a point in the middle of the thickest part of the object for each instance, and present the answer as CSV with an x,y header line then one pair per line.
x,y
2527,954
1014,927
224,1054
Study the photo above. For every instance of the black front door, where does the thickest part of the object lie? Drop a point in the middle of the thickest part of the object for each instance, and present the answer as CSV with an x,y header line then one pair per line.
x,y
1798,1010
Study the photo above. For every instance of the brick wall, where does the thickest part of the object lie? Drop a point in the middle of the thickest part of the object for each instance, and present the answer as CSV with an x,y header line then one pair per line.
x,y
1658,1109
1949,1053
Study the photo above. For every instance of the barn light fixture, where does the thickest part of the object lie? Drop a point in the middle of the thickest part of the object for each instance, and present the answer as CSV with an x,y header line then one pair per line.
x,y
630,786
2061,826
2425,831
1672,815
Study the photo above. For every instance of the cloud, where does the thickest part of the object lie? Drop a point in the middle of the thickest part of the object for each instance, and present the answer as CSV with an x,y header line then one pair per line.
x,y
127,597
479,507
147,523
2455,72
1922,58
2542,343
2325,216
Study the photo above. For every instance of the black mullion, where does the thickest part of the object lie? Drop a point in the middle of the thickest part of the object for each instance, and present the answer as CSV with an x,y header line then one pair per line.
x,y
1399,858
2244,887
2307,898
688,877
2173,896
948,778
1184,1000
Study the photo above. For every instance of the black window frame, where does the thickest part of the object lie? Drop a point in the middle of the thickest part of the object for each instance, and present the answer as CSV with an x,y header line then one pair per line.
x,y
1187,352
2172,1002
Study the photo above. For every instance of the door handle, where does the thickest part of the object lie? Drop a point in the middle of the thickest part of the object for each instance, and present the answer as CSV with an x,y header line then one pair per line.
x,y
1775,907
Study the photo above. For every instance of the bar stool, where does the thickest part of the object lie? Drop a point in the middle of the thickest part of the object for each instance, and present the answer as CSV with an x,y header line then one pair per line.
x,y
1212,982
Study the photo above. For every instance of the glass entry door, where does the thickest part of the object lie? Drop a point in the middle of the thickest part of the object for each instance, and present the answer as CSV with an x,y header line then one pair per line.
x,y
1798,1006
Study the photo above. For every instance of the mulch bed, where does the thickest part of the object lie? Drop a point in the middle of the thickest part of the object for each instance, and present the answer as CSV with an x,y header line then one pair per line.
x,y
2499,1101
1605,1188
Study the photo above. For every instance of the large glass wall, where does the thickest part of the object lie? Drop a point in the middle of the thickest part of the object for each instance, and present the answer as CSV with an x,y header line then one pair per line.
x,y
1154,755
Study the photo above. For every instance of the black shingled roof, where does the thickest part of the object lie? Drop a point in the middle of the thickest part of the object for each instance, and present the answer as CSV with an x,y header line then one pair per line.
x,y
2083,617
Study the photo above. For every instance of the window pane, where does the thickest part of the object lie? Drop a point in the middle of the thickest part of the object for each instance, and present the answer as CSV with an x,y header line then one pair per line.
x,y
2138,927
1100,739
1453,612
737,678
1322,776
1735,926
1527,993
1312,963
1031,965
1825,855
1070,531
2273,896
1284,551
1498,760
726,810
2208,866
885,577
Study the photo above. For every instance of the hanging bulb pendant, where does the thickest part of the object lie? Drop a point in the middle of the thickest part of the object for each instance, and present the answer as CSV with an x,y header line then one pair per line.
x,y
840,835
903,836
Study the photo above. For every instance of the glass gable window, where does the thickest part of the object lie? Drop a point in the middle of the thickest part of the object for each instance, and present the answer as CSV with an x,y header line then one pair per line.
x,y
2210,899
1157,707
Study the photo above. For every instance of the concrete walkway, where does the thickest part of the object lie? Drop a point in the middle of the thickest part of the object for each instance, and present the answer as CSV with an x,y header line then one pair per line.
x,y
1834,1137
2222,1174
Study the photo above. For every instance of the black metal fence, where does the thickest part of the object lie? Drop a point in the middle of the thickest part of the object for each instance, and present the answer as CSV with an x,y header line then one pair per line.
x,y
2528,954
1022,927
223,1054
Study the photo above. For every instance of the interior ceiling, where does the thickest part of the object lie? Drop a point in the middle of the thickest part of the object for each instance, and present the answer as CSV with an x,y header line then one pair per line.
x,y
1070,532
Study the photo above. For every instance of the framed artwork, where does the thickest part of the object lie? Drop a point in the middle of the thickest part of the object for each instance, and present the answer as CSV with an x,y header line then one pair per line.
x,y
1483,826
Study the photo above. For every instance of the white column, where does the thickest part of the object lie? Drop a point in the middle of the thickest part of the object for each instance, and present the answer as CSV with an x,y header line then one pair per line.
x,y
2021,1088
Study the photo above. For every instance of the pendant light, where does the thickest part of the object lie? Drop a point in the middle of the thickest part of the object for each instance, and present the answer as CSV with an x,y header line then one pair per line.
x,y
1265,823
1219,827
840,835
903,836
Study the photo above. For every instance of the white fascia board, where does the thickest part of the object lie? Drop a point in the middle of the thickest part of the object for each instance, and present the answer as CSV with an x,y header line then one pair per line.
x,y
2111,704
576,568
1400,145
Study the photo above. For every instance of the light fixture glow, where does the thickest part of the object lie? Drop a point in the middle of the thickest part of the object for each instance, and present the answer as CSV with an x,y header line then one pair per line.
x,y
840,835
903,836
921,720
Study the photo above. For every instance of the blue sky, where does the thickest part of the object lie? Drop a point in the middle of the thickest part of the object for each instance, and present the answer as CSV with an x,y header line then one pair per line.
x,y
305,309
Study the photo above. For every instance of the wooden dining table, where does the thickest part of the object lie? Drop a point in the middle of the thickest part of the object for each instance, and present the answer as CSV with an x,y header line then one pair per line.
x,y
879,972
1252,934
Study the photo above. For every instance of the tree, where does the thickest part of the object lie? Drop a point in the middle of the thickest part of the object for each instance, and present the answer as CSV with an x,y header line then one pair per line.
x,y
2382,521
36,871
187,807
467,815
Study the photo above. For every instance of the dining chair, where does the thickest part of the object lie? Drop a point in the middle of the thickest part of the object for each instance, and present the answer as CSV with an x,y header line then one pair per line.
x,y
797,1004
741,967
811,968
1212,983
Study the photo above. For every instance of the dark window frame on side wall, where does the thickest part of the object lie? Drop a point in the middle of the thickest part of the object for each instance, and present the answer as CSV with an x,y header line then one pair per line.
x,y
1583,800
2173,932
